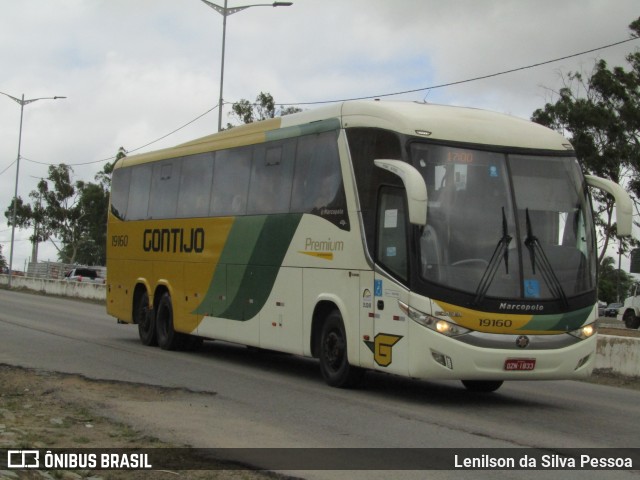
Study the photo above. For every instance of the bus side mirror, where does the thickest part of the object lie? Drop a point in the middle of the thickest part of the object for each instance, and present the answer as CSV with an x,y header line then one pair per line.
x,y
413,184
624,205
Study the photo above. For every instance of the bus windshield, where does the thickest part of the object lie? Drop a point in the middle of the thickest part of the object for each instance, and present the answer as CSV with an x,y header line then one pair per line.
x,y
505,225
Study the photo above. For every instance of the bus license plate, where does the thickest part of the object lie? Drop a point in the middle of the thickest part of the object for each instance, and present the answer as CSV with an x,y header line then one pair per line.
x,y
525,364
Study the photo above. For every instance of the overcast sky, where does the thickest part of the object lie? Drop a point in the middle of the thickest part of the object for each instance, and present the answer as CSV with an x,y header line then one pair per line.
x,y
135,70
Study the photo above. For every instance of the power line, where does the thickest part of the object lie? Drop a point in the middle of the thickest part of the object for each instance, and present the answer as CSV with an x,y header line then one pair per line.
x,y
322,102
134,150
459,82
177,129
7,167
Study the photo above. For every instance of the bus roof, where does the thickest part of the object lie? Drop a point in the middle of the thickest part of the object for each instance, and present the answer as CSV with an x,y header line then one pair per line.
x,y
450,123
437,122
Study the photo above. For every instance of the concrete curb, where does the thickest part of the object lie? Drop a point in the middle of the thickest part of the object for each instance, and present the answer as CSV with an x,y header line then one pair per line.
x,y
84,290
618,355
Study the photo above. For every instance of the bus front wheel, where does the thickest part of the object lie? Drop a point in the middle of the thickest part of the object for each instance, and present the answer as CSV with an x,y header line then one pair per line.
x,y
168,338
334,362
146,322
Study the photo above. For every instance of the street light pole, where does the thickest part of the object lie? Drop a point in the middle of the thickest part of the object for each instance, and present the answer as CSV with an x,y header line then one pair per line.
x,y
22,102
224,36
225,12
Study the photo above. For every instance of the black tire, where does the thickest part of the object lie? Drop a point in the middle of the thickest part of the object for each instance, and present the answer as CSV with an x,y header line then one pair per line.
x,y
168,338
630,320
146,322
482,386
334,362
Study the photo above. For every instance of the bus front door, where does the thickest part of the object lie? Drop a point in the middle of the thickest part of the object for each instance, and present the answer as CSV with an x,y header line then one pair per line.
x,y
390,343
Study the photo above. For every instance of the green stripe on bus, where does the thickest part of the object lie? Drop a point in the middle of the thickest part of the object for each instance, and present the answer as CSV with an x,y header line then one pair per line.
x,y
248,266
565,322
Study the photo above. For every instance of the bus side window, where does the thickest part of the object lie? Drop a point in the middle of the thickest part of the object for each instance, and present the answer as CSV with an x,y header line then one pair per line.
x,y
317,181
195,185
120,192
271,176
231,182
391,249
165,182
138,205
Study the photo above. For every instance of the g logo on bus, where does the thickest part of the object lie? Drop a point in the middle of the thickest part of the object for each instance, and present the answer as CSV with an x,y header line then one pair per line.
x,y
522,341
382,348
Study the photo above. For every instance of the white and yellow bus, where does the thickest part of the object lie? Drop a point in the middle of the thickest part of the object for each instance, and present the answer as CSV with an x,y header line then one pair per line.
x,y
427,241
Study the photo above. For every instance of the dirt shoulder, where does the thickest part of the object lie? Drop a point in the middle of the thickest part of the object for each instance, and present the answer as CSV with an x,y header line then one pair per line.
x,y
48,410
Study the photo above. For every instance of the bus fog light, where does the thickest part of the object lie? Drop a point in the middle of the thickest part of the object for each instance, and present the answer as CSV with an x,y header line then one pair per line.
x,y
584,332
442,359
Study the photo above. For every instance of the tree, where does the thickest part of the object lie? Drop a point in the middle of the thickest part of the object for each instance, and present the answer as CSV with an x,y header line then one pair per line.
x,y
614,284
3,261
90,249
103,177
600,113
94,202
263,108
72,215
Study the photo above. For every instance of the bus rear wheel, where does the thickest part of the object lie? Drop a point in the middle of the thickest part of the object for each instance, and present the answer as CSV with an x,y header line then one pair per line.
x,y
168,338
334,362
482,386
146,322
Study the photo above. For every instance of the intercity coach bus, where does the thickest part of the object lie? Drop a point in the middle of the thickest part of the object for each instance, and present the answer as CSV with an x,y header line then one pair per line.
x,y
427,241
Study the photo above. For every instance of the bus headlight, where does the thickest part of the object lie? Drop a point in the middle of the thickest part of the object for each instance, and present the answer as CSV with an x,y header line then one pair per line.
x,y
445,327
584,332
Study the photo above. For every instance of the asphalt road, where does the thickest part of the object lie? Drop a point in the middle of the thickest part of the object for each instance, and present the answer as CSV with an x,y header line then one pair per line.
x,y
259,399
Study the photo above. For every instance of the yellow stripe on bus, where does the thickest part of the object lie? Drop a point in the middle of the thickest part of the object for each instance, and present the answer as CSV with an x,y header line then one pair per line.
x,y
323,255
487,321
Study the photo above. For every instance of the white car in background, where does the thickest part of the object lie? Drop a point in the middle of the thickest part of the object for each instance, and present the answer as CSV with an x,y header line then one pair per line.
x,y
88,275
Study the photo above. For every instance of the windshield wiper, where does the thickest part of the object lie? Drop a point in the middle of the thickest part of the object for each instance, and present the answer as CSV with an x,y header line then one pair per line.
x,y
533,245
501,251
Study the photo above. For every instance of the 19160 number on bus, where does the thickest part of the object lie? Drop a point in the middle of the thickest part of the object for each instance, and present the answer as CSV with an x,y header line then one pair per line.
x,y
119,240
492,322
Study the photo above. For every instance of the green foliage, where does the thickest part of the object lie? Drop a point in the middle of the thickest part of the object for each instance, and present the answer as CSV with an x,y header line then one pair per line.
x,y
24,214
600,113
613,284
263,108
72,215
3,261
93,204
103,177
